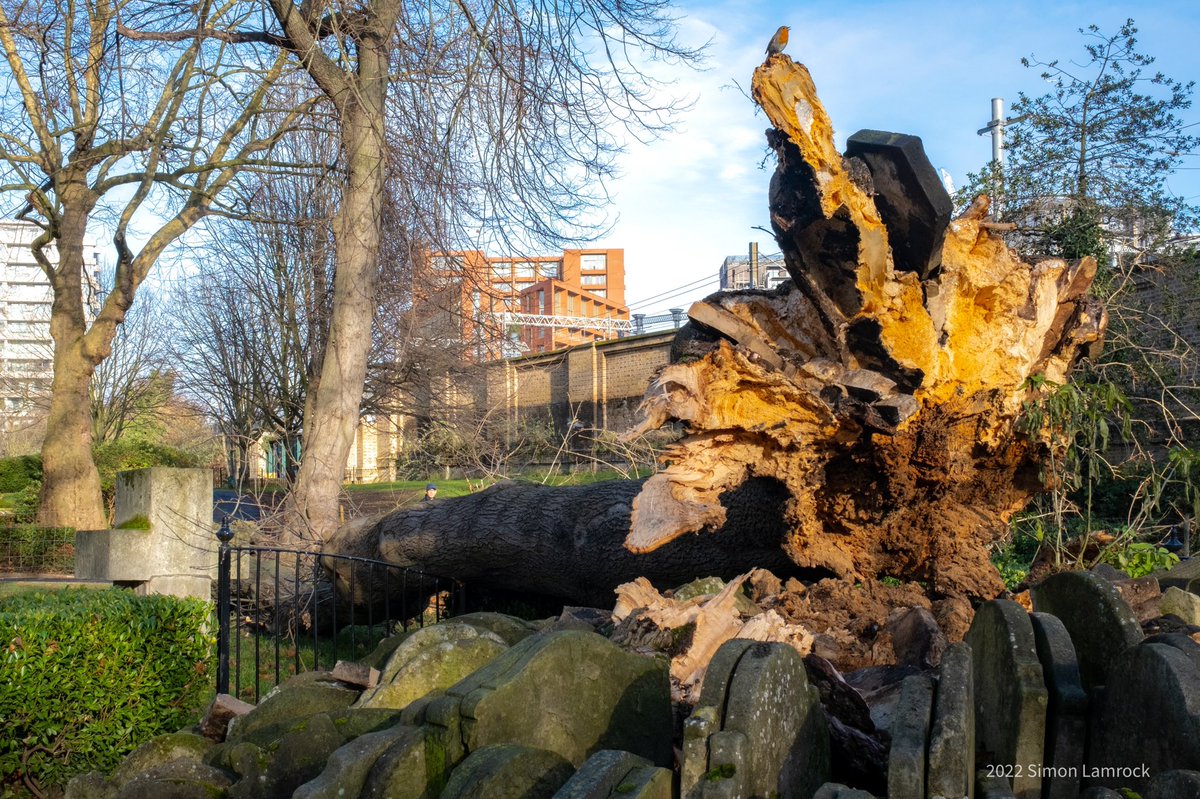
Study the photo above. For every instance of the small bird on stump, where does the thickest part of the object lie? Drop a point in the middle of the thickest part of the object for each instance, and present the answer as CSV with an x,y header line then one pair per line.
x,y
778,41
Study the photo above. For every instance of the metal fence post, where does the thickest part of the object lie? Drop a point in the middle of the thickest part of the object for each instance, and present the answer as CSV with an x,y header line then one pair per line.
x,y
224,535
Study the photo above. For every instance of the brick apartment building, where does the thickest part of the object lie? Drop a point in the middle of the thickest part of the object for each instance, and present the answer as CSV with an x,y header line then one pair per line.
x,y
468,292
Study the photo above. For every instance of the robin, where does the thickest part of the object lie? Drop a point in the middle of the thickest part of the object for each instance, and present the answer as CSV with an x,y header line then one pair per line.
x,y
778,41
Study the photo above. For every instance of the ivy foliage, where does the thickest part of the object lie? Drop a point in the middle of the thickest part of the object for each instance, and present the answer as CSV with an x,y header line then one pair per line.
x,y
86,676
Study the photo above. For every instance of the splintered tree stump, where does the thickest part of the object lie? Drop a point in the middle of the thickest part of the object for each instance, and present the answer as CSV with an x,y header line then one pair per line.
x,y
883,385
870,403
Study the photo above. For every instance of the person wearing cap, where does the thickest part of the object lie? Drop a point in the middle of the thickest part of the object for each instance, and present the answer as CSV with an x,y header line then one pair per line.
x,y
430,493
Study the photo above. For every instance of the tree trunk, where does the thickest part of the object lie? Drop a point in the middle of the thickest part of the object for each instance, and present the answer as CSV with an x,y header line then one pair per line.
x,y
881,389
565,543
70,494
332,407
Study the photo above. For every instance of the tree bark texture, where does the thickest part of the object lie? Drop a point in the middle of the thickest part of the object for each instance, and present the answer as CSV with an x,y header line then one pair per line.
x,y
880,391
566,543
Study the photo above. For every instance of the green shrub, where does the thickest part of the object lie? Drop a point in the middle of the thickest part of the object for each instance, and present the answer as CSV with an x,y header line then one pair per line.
x,y
1139,558
87,676
127,454
17,473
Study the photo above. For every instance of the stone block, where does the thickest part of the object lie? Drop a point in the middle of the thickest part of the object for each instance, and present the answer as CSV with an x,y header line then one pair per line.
x,y
164,537
1148,720
1066,714
414,767
1184,575
835,790
951,773
1010,693
1100,622
1184,604
910,739
508,771
611,774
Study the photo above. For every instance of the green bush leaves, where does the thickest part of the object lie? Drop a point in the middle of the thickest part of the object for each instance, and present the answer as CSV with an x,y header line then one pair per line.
x,y
86,676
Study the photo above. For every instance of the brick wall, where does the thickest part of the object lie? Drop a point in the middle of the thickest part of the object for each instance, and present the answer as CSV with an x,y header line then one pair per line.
x,y
599,384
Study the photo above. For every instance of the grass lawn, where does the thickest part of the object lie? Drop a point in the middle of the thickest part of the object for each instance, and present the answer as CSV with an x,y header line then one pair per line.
x,y
461,487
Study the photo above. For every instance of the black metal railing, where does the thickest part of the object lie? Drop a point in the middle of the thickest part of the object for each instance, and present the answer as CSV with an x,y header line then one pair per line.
x,y
307,609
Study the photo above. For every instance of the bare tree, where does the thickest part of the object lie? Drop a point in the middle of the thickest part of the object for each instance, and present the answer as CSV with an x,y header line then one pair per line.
x,y
98,127
132,381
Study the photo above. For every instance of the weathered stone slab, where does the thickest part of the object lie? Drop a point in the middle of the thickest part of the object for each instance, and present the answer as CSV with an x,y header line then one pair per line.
x,y
159,751
510,629
1180,603
1066,718
413,767
299,756
1148,719
1010,692
910,197
347,769
951,773
917,639
1177,784
432,659
758,730
1143,595
910,739
1183,643
508,771
570,692
610,774
1099,620
179,779
299,697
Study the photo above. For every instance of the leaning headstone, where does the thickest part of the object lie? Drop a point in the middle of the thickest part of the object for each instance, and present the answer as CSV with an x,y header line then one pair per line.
x,y
570,692
1066,718
1177,784
952,734
1010,693
299,697
349,765
1148,720
911,199
1099,620
432,659
1184,643
508,771
758,730
611,774
910,739
179,779
1180,603
917,639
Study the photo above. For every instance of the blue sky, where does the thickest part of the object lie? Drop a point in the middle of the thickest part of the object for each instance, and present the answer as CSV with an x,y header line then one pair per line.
x,y
924,68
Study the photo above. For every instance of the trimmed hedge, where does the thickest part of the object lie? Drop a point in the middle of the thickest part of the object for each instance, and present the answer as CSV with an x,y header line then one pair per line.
x,y
88,675
19,472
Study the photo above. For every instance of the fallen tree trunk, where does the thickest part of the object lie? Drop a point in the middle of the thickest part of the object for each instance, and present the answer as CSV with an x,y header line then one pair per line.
x,y
877,393
566,543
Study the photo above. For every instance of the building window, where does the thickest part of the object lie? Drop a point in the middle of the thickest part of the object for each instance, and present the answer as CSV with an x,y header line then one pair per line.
x,y
551,269
447,263
594,262
593,280
600,292
503,288
525,269
502,270
570,304
541,301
